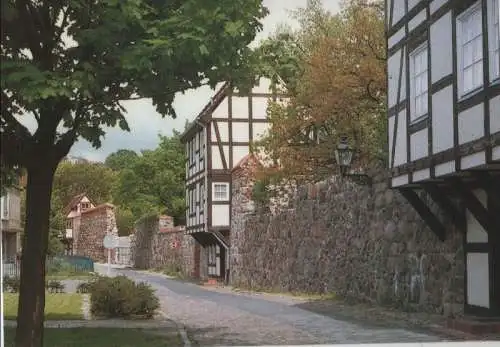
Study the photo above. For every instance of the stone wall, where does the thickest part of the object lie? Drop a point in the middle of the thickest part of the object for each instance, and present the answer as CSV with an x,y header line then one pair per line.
x,y
156,246
363,243
95,223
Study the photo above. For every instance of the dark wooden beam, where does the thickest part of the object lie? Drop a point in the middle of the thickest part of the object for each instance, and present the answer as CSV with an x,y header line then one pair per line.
x,y
444,202
425,212
490,184
473,204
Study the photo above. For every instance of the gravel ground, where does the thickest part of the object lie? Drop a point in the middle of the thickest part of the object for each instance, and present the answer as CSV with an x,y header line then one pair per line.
x,y
214,318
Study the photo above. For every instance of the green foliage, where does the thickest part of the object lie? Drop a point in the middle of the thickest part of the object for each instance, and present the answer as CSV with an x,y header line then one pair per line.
x,y
120,297
94,179
121,159
153,182
55,286
124,221
260,192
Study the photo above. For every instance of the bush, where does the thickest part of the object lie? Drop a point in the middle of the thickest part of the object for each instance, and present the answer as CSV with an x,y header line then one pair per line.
x,y
121,297
11,284
55,286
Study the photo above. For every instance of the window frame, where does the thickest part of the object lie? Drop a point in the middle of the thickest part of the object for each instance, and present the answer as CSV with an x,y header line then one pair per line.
x,y
493,7
214,185
424,47
462,92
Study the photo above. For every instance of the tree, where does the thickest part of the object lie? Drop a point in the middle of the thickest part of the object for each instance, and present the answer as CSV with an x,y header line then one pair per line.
x,y
94,179
339,89
67,65
154,181
120,159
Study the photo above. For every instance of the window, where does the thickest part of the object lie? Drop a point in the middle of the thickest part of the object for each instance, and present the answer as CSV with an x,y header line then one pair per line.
x,y
69,224
470,50
221,191
419,82
494,38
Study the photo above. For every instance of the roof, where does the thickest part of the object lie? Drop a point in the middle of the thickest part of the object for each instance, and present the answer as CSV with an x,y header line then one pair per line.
x,y
74,201
206,112
251,157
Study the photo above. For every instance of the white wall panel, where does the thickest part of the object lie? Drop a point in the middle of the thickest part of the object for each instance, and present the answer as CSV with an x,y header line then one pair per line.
x,y
442,120
495,115
393,68
495,155
441,48
419,18
259,130
220,215
421,175
264,86
222,110
473,160
412,3
400,153
471,124
216,158
419,144
475,232
239,152
240,131
390,132
400,181
398,11
239,106
444,168
478,279
398,36
223,131
259,107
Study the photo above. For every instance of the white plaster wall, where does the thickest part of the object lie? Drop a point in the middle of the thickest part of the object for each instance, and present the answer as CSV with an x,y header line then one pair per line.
x,y
398,36
444,168
442,120
259,107
222,110
473,160
471,124
441,48
478,280
495,115
220,215
239,152
399,11
400,180
264,86
239,106
419,144
421,175
400,153
417,20
393,64
437,4
240,131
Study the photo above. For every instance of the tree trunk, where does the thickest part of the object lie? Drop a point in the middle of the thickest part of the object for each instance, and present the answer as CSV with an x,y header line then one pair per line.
x,y
30,313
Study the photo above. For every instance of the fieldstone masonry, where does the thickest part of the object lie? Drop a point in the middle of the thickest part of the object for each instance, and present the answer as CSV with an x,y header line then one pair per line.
x,y
363,243
95,223
156,243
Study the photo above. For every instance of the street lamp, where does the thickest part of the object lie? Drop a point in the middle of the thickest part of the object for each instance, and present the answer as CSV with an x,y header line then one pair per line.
x,y
343,156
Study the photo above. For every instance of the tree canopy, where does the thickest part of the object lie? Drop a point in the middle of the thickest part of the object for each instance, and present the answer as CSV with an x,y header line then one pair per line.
x,y
334,69
67,65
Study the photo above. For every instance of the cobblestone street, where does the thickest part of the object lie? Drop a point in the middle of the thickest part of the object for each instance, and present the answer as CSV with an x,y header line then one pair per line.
x,y
215,318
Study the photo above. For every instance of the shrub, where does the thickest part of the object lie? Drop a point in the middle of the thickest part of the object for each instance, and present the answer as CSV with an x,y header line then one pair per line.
x,y
121,297
55,286
11,284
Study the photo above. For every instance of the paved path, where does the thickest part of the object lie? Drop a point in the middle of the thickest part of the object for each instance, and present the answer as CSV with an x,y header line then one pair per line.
x,y
214,318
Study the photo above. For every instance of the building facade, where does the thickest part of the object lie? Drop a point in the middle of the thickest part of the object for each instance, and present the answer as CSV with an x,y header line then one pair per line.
x,y
444,127
219,137
11,224
73,211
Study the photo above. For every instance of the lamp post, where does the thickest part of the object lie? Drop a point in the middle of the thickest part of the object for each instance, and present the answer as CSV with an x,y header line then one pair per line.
x,y
343,156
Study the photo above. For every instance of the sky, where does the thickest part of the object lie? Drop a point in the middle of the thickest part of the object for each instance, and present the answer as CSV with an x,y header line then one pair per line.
x,y
145,123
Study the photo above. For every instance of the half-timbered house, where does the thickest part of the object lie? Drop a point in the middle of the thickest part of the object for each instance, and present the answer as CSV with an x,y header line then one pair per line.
x,y
444,127
218,138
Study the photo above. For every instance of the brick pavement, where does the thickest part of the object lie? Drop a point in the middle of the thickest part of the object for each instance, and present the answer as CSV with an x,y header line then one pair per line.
x,y
215,318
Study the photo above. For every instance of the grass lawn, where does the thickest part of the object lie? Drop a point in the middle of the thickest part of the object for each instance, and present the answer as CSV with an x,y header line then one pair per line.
x,y
62,306
104,337
63,275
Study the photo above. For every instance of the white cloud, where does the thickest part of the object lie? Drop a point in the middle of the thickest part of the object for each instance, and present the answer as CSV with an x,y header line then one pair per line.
x,y
145,123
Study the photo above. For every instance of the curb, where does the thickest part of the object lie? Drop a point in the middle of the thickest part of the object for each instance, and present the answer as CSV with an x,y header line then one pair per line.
x,y
181,329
